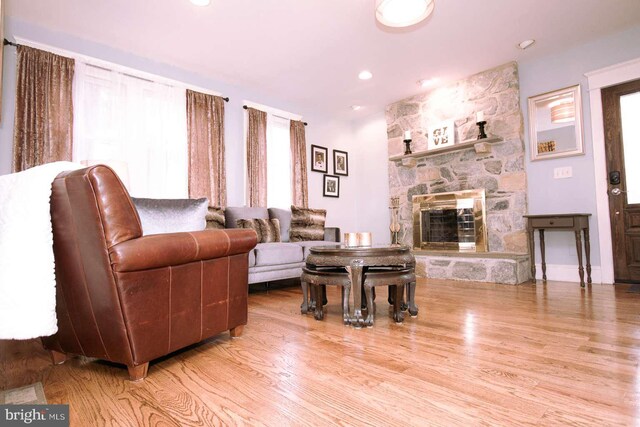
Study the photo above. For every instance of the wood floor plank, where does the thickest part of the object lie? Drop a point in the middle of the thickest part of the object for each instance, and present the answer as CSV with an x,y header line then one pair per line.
x,y
477,354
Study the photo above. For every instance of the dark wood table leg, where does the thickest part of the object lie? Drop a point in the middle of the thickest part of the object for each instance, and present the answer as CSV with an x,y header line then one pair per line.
x,y
542,257
587,253
398,316
532,251
579,248
355,273
304,307
319,312
411,299
346,315
368,289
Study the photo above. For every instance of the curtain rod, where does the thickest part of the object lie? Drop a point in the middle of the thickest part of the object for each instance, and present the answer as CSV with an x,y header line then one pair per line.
x,y
304,123
9,43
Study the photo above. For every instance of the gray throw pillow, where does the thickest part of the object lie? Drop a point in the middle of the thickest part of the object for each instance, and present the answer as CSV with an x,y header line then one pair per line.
x,y
307,224
171,215
284,217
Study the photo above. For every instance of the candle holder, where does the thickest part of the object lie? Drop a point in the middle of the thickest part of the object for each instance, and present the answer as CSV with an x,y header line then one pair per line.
x,y
481,125
407,146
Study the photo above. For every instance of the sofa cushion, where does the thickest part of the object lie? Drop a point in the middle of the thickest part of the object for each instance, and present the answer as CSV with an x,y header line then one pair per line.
x,y
306,245
284,216
268,230
232,214
278,253
307,224
171,215
215,217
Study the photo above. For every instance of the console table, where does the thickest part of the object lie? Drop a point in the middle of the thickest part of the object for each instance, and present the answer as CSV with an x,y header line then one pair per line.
x,y
576,222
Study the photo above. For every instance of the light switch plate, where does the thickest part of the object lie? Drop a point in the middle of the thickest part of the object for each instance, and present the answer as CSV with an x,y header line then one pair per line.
x,y
565,172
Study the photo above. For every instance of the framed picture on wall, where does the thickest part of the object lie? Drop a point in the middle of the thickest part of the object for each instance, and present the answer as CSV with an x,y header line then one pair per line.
x,y
319,159
340,163
331,186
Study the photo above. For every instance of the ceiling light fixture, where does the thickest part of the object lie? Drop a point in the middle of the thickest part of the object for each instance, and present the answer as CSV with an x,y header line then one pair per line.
x,y
365,75
525,44
426,82
201,2
562,111
355,107
403,13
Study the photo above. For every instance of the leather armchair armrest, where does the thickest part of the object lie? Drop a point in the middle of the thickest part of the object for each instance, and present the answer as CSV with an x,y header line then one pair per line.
x,y
332,234
162,250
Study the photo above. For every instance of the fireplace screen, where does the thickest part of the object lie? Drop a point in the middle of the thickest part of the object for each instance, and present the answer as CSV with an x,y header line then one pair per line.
x,y
450,221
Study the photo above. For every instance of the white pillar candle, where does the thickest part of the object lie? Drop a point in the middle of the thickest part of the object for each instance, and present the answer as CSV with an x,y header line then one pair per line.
x,y
351,239
407,134
364,239
479,116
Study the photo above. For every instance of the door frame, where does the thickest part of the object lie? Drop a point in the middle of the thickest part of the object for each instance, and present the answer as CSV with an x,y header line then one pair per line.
x,y
598,79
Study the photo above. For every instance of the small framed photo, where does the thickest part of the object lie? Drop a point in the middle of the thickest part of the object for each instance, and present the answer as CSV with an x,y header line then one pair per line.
x,y
340,163
331,187
319,159
442,135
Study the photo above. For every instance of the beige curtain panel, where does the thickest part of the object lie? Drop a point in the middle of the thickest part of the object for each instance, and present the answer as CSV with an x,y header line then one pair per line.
x,y
257,157
205,127
299,164
43,126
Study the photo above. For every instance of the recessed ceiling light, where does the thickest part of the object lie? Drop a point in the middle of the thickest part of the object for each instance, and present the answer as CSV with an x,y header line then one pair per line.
x,y
365,75
355,107
403,13
426,82
201,2
525,44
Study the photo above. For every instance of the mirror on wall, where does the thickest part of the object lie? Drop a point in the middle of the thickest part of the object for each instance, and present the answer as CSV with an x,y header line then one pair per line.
x,y
555,124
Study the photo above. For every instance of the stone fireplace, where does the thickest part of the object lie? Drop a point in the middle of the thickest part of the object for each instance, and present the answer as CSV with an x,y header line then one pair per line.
x,y
450,221
464,241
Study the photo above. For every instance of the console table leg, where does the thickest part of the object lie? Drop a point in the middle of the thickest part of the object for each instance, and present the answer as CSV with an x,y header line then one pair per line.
x,y
532,253
346,312
398,317
368,289
411,299
543,260
587,253
579,248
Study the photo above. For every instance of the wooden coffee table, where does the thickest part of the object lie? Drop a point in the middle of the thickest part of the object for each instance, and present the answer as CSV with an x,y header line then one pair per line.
x,y
357,260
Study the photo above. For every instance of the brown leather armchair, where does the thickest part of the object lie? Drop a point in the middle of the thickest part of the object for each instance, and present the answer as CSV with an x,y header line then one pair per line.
x,y
128,298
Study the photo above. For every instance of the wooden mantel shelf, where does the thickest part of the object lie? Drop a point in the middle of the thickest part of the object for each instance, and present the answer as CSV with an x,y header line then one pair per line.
x,y
472,143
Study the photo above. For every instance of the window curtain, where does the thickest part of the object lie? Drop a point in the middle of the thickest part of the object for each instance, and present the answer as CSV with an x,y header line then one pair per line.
x,y
136,126
205,127
298,164
257,157
43,126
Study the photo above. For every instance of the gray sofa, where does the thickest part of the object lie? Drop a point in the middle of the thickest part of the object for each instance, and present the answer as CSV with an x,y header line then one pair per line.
x,y
278,260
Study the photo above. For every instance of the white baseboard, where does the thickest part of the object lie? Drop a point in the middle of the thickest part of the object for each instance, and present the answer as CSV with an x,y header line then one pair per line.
x,y
568,273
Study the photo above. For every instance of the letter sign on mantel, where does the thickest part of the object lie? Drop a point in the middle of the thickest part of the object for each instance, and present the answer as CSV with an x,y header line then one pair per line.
x,y
442,135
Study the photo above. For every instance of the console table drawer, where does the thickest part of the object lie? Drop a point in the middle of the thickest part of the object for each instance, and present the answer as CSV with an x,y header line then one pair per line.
x,y
551,222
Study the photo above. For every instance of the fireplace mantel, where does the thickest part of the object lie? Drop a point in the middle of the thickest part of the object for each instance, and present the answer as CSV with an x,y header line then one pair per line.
x,y
478,144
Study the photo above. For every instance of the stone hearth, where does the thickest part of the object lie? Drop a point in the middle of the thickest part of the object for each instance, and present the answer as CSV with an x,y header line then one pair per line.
x,y
498,170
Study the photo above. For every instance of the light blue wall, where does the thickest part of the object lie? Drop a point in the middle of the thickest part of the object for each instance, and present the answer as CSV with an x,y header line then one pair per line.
x,y
576,194
322,130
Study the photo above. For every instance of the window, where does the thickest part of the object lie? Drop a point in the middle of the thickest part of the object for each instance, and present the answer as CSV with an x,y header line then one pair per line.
x,y
278,163
136,125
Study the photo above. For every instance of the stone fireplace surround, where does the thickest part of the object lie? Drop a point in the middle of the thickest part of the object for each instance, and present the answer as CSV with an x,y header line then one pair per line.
x,y
498,170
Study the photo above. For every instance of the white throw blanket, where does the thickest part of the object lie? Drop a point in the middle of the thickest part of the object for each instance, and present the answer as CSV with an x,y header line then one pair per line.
x,y
27,276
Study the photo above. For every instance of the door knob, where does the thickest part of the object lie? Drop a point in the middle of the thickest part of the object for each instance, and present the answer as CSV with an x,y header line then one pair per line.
x,y
616,191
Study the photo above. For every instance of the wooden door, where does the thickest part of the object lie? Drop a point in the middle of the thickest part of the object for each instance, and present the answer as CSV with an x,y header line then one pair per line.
x,y
621,110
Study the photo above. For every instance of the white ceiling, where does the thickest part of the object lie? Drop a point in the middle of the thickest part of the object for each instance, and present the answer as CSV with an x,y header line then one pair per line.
x,y
309,52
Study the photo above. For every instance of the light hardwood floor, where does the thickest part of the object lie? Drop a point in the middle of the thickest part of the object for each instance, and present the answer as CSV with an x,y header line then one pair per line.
x,y
477,354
